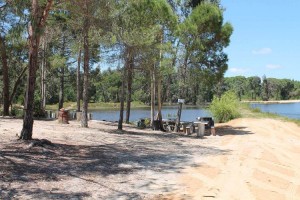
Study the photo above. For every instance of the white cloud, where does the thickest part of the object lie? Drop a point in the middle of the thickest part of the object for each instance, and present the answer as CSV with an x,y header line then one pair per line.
x,y
262,51
236,70
271,66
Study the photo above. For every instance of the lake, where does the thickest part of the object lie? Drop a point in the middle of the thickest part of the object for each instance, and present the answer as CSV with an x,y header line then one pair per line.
x,y
290,110
189,113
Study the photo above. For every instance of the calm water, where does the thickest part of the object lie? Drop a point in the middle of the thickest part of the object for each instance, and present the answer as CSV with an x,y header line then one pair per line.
x,y
189,113
291,110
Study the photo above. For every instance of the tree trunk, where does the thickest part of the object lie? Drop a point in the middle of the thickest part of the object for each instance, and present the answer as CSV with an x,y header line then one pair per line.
x,y
184,77
36,26
168,90
129,64
152,74
159,88
122,96
5,77
159,102
177,126
169,81
61,88
78,80
62,78
16,85
84,117
43,76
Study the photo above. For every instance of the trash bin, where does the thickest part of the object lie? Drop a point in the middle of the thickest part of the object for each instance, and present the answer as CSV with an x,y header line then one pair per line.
x,y
141,123
201,129
63,116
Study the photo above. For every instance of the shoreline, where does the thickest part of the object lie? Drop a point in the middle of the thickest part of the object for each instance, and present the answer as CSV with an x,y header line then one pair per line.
x,y
273,101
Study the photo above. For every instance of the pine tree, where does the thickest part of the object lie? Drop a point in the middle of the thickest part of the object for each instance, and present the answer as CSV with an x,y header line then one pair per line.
x,y
39,15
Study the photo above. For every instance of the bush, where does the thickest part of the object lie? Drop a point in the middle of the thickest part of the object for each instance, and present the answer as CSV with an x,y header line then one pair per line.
x,y
226,108
147,122
17,112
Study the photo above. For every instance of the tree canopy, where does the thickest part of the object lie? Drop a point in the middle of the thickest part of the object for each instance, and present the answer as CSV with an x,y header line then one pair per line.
x,y
158,50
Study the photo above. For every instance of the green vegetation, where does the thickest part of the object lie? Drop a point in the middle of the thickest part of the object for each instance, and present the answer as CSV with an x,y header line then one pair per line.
x,y
226,108
256,88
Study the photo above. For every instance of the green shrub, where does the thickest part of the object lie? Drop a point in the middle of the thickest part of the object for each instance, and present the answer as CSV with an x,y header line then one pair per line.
x,y
226,108
147,122
17,112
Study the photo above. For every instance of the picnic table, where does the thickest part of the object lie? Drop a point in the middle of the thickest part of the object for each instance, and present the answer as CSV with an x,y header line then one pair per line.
x,y
170,123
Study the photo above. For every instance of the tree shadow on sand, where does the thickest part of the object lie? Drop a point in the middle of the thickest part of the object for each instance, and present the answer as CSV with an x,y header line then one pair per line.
x,y
229,130
159,153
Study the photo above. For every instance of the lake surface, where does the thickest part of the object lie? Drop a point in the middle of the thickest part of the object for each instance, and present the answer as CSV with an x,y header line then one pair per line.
x,y
189,113
290,110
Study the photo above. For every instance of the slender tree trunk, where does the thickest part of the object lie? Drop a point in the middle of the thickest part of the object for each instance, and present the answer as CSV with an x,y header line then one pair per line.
x,y
168,90
62,78
26,133
159,87
177,128
184,76
5,77
78,80
152,74
43,76
84,117
39,18
122,97
16,85
174,60
61,88
159,102
129,64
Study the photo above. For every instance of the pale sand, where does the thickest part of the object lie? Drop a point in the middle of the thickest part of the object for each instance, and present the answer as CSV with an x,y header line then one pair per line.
x,y
249,159
263,163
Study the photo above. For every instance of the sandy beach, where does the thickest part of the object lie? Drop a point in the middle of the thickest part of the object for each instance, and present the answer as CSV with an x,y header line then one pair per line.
x,y
248,159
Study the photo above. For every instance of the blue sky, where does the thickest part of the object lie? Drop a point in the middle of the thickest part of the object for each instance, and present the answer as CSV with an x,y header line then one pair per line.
x,y
266,38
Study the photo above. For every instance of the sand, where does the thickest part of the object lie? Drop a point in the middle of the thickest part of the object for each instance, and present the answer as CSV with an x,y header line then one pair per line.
x,y
248,159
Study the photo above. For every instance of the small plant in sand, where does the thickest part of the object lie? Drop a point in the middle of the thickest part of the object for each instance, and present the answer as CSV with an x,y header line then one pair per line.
x,y
226,108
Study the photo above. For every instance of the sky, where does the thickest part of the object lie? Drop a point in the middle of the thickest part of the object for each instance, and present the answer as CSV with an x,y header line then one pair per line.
x,y
266,38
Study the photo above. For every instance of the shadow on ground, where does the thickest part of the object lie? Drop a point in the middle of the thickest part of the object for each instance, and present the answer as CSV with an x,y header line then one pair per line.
x,y
161,153
229,130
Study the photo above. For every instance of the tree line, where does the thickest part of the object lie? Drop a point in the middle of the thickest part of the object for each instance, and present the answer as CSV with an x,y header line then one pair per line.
x,y
106,83
262,89
107,50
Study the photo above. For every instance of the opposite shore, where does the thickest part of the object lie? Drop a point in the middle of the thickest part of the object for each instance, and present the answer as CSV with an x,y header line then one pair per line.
x,y
273,101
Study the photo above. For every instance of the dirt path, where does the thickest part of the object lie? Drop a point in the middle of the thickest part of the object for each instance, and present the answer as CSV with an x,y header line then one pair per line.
x,y
250,159
263,163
